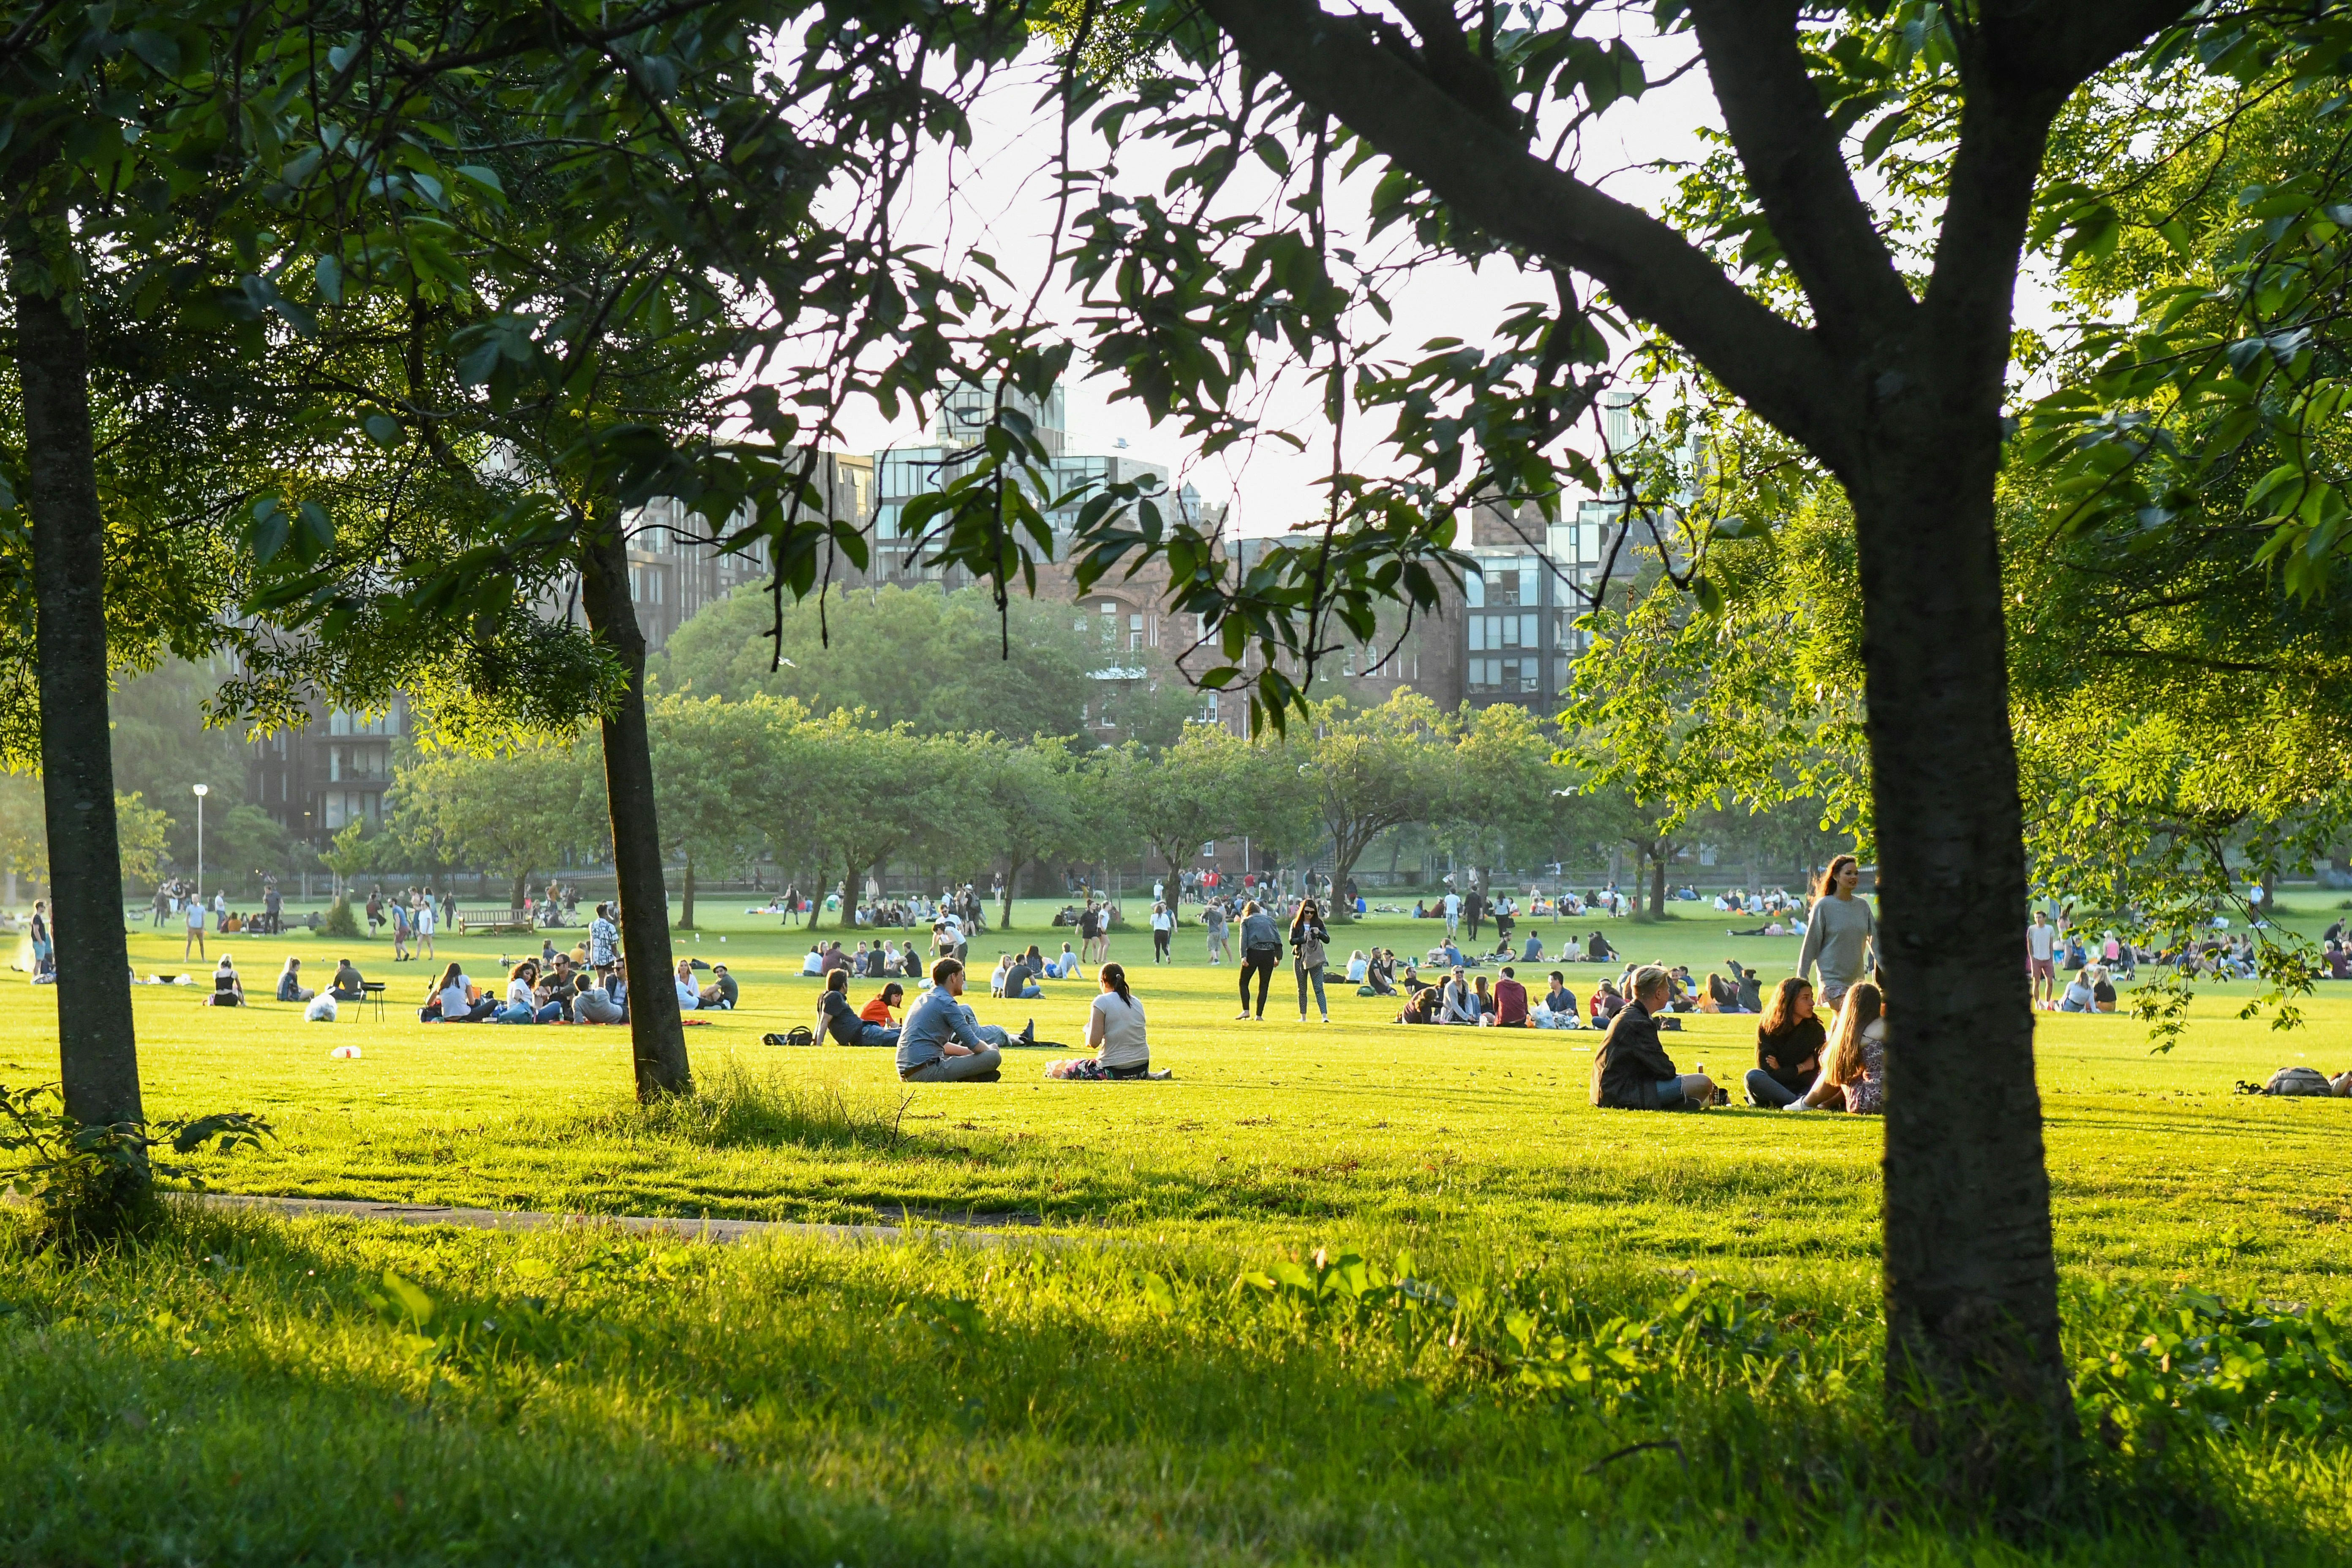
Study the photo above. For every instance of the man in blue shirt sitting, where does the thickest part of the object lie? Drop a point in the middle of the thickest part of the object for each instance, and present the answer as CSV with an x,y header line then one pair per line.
x,y
941,1043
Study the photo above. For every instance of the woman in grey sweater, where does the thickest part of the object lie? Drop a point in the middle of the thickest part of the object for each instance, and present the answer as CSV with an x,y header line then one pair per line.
x,y
1840,932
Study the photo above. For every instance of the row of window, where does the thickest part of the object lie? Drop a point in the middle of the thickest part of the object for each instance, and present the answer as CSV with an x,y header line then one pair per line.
x,y
1488,633
1506,674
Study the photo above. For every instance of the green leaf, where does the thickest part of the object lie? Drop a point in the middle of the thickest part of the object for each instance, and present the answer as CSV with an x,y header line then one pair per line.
x,y
485,177
161,55
384,430
330,273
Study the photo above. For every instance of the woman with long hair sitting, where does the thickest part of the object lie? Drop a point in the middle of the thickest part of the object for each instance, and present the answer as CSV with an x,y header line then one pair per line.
x,y
1854,1065
1789,1044
1115,1031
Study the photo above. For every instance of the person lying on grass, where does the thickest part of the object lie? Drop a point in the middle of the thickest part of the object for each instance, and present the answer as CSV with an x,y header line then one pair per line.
x,y
1789,1044
1853,1064
944,1043
1631,1070
835,1017
1115,1031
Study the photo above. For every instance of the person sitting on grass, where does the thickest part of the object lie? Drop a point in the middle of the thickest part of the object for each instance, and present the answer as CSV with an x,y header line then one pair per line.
x,y
1631,1070
592,1001
835,1017
1510,1001
2103,990
1556,1008
1066,965
290,983
1115,1033
1853,1063
454,996
1485,998
522,1005
1789,1043
2078,997
1458,1002
348,986
721,993
941,1042
1358,965
1535,951
1596,949
883,1008
689,994
1021,980
1379,975
814,962
1607,1002
1424,1008
228,990
910,962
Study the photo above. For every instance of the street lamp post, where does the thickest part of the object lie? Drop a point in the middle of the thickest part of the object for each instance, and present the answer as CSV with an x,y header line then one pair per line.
x,y
202,791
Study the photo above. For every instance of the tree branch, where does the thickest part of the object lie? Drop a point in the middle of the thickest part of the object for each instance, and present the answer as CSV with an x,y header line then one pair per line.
x,y
1798,170
1786,372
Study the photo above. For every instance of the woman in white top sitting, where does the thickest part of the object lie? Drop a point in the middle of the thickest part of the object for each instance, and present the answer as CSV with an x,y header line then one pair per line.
x,y
1115,1031
689,995
1358,967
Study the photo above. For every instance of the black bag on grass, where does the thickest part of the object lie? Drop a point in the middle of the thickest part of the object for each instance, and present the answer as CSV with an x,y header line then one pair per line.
x,y
2293,1081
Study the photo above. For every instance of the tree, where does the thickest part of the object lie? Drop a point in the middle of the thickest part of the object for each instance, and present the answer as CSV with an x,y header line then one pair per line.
x,y
708,756
941,662
880,792
519,812
25,840
1883,359
1357,775
1188,794
1500,787
1040,798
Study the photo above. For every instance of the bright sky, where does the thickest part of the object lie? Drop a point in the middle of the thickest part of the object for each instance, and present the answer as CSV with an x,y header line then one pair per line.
x,y
999,197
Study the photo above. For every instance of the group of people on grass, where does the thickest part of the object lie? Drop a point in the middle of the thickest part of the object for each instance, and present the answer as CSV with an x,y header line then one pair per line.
x,y
939,1040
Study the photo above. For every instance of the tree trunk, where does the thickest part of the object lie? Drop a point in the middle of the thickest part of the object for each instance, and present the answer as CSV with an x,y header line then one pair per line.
x,y
97,1046
1658,881
685,896
522,896
1972,1286
656,1032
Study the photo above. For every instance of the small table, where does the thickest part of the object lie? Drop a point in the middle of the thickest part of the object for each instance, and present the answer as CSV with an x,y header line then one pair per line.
x,y
374,991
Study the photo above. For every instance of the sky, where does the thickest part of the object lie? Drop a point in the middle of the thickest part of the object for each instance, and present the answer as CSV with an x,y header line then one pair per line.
x,y
999,197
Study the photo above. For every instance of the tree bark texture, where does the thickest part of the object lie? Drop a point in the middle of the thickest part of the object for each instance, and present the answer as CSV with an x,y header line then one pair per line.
x,y
1898,392
97,1046
1971,1284
686,895
656,1032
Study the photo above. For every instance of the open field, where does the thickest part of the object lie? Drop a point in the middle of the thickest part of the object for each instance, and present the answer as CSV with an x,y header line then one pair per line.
x,y
641,1402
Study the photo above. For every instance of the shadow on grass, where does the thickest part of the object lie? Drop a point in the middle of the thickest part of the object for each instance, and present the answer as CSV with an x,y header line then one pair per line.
x,y
736,1106
235,1386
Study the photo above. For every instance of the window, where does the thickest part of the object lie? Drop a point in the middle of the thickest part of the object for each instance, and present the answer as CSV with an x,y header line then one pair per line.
x,y
1477,634
1473,590
1134,641
1209,708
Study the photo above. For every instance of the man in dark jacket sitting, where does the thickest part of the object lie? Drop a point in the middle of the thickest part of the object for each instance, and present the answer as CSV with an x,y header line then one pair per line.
x,y
840,1020
1631,1070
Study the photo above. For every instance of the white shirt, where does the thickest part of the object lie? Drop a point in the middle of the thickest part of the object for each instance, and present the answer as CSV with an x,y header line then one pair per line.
x,y
1162,920
518,995
424,920
453,1000
2041,940
689,995
1121,1024
813,965
1452,905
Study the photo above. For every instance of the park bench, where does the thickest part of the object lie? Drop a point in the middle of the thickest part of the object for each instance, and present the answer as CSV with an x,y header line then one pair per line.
x,y
494,919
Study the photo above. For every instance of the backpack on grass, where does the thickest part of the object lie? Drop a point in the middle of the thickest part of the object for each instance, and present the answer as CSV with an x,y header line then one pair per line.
x,y
798,1035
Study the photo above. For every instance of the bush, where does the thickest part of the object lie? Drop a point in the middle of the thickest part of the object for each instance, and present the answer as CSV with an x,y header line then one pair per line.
x,y
341,922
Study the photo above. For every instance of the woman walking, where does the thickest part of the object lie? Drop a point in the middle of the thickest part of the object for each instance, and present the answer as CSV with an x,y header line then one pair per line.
x,y
1310,945
1261,946
1840,931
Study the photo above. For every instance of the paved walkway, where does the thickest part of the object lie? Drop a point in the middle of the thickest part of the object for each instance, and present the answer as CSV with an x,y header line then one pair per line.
x,y
983,1230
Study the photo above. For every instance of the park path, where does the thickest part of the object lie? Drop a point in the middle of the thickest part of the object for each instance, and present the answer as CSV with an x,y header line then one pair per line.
x,y
977,1229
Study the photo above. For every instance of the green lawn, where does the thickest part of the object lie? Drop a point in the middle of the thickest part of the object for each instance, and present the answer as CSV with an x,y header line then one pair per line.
x,y
800,1402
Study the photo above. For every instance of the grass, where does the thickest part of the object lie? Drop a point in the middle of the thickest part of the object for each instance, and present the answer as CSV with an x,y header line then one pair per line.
x,y
1119,1397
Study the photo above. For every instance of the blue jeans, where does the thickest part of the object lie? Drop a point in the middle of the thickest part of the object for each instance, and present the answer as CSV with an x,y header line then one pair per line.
x,y
1315,973
517,1013
1767,1091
